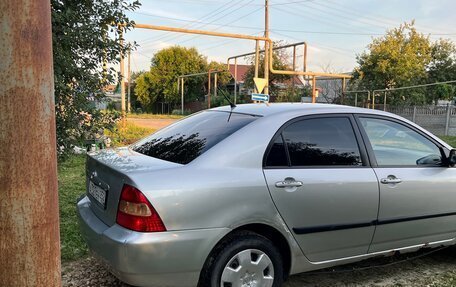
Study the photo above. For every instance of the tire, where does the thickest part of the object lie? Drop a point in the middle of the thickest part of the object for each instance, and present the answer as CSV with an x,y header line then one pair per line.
x,y
243,259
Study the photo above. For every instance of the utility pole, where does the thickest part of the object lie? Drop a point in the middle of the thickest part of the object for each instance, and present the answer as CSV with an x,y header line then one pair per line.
x,y
266,46
129,83
29,209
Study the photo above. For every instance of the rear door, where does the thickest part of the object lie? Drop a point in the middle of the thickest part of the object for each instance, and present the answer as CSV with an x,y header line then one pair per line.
x,y
321,182
417,192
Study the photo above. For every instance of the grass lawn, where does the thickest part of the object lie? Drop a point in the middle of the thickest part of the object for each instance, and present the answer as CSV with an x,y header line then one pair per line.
x,y
72,186
451,140
129,134
153,116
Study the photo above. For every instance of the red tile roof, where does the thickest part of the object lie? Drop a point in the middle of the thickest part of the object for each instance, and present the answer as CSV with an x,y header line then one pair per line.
x,y
242,71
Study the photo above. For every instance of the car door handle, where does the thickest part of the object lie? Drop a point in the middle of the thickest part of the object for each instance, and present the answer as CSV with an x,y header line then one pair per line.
x,y
285,184
391,180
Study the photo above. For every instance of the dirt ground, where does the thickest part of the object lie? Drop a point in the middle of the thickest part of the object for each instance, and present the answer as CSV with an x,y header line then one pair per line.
x,y
152,123
437,269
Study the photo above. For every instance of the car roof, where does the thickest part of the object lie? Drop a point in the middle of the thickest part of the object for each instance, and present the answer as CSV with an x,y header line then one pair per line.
x,y
265,110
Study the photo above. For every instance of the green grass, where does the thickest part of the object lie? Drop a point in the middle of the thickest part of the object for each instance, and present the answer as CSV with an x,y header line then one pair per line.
x,y
71,187
451,140
153,116
129,134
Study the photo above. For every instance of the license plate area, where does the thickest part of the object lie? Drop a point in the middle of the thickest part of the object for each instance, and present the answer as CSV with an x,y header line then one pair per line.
x,y
98,194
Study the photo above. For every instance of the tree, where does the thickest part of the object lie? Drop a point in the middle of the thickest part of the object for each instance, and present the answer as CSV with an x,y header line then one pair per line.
x,y
80,45
160,83
443,68
400,58
224,77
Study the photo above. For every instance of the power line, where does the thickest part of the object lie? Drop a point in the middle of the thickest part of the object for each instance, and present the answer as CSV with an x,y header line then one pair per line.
x,y
208,15
280,30
224,25
344,52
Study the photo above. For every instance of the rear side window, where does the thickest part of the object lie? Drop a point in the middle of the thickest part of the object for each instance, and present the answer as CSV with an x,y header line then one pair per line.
x,y
191,137
277,155
319,142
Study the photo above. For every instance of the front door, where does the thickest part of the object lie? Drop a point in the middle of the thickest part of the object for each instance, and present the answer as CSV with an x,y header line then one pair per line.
x,y
321,182
417,193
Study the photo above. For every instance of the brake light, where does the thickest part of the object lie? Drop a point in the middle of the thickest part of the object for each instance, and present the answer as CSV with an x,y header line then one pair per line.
x,y
136,213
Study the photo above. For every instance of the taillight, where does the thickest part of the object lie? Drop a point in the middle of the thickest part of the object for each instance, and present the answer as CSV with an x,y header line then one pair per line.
x,y
136,213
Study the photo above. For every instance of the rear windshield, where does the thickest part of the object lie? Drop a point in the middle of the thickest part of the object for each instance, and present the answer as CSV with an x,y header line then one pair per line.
x,y
191,137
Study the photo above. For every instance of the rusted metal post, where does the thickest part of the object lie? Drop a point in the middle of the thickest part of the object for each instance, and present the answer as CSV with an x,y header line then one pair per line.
x,y
267,49
29,210
235,79
122,74
257,58
314,90
294,69
257,63
215,85
384,102
129,83
343,90
209,89
182,95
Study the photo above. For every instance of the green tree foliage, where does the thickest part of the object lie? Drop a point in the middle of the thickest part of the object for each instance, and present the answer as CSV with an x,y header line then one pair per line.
x,y
405,57
397,59
442,69
160,83
80,44
224,77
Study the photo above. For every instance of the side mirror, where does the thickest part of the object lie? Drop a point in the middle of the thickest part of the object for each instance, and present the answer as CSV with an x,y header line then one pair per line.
x,y
452,158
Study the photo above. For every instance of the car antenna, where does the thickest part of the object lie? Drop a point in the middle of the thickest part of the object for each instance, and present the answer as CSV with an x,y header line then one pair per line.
x,y
232,105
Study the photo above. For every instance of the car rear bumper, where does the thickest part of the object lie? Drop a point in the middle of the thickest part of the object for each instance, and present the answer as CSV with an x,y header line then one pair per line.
x,y
172,258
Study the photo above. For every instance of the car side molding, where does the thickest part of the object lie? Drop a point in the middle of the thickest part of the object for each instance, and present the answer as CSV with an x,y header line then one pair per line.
x,y
327,228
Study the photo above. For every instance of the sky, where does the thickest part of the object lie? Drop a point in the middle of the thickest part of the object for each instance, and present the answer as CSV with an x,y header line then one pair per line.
x,y
336,31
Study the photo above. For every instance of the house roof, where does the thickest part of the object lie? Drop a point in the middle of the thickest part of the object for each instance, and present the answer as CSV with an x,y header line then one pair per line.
x,y
242,71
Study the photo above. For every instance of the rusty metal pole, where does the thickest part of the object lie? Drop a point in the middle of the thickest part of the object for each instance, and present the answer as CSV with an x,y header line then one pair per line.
x,y
294,69
235,80
29,210
129,83
182,96
215,85
266,46
209,89
314,90
257,59
122,74
343,90
384,102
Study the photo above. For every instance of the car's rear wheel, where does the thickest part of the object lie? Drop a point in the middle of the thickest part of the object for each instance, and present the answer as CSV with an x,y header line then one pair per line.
x,y
244,259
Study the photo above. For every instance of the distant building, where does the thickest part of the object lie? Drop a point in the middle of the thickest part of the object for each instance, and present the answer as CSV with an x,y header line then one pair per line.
x,y
242,71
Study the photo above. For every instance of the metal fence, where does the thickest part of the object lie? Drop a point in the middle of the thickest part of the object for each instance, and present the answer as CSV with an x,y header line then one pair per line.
x,y
440,120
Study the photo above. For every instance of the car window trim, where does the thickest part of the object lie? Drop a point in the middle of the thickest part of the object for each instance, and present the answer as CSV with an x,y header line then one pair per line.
x,y
362,149
370,150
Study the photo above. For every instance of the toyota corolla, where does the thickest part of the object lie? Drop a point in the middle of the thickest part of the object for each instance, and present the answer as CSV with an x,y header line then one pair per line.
x,y
248,195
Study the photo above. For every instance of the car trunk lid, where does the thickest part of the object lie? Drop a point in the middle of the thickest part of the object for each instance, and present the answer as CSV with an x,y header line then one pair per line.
x,y
106,173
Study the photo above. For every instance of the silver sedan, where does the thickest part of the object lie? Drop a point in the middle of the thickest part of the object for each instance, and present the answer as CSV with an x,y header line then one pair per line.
x,y
247,196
